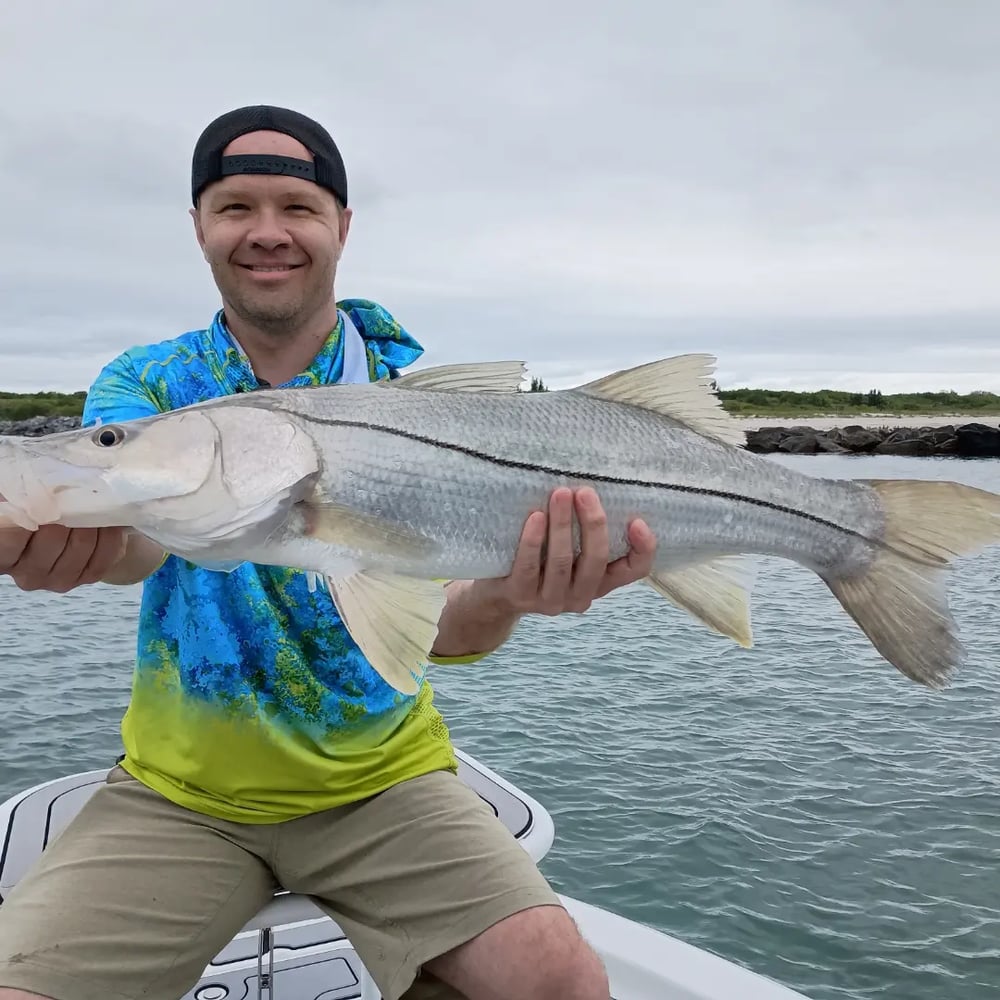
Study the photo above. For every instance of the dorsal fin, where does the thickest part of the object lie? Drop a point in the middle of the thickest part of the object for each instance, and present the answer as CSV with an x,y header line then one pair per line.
x,y
680,388
484,376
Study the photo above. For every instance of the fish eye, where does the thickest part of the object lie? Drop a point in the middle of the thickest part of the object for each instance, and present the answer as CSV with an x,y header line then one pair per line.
x,y
108,437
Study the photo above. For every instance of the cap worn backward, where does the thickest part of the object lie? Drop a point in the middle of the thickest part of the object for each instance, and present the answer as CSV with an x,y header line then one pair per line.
x,y
208,164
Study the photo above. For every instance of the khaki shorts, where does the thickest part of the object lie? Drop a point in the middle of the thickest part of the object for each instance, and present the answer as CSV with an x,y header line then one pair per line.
x,y
138,895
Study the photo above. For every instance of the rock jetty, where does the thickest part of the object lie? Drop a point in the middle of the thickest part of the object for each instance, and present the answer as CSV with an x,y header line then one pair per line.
x,y
972,440
38,426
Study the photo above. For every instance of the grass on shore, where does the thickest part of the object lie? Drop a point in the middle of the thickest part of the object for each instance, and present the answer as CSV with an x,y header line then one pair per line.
x,y
739,402
25,405
834,403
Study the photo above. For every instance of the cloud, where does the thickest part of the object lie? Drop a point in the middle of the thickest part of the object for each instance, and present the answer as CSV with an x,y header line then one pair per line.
x,y
811,191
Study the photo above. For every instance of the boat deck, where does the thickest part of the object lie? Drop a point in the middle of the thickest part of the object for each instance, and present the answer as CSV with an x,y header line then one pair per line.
x,y
292,950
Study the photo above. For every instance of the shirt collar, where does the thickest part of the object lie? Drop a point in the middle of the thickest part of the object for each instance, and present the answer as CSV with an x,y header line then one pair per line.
x,y
237,371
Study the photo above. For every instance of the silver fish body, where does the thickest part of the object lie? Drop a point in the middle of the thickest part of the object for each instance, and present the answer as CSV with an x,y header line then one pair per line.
x,y
461,472
384,489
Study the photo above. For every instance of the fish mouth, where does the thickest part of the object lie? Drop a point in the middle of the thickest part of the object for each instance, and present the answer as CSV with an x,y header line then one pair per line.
x,y
39,489
16,515
26,498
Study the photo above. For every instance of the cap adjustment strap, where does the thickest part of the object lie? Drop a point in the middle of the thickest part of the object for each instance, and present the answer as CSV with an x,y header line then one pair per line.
x,y
267,164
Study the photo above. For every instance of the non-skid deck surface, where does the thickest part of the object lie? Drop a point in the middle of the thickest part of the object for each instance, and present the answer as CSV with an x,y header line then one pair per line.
x,y
300,973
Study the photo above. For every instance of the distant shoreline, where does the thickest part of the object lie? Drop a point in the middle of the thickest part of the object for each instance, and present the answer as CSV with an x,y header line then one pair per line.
x,y
870,420
824,422
919,436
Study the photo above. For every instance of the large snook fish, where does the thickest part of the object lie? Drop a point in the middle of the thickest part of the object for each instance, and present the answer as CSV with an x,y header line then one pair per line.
x,y
386,489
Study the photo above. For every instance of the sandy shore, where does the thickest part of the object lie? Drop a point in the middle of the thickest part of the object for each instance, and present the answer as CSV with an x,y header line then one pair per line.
x,y
867,420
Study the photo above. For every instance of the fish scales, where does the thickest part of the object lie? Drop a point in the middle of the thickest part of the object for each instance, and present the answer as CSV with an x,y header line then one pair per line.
x,y
473,498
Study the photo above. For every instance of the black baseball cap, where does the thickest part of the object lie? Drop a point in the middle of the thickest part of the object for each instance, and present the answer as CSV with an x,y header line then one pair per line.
x,y
208,164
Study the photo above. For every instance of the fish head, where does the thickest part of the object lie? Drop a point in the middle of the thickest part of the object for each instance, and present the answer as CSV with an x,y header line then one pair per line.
x,y
107,473
193,473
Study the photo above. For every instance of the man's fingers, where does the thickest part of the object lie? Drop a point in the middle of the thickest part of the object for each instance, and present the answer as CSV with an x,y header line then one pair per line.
x,y
636,565
13,542
522,582
69,567
58,559
74,550
559,554
620,574
42,552
547,577
642,540
594,549
109,550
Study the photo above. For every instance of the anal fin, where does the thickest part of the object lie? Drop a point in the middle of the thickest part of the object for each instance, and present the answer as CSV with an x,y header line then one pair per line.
x,y
393,619
716,592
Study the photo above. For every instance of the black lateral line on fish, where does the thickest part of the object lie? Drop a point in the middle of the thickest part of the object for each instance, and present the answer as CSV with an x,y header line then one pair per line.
x,y
513,463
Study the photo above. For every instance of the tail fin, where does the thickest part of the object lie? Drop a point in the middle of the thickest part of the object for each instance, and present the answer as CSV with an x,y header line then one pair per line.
x,y
900,601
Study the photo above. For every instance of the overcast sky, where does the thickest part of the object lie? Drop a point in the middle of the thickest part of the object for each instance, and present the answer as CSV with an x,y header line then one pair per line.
x,y
809,189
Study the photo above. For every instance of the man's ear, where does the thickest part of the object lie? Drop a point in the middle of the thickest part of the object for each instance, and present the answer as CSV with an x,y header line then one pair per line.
x,y
199,232
346,214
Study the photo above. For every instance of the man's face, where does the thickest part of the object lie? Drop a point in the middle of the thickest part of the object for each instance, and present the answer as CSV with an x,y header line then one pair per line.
x,y
273,242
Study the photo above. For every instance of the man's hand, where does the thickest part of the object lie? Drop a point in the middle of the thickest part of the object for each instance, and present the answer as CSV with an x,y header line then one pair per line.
x,y
59,559
545,577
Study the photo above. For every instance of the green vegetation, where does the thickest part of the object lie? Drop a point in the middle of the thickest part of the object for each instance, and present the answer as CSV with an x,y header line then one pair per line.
x,y
24,405
832,402
740,402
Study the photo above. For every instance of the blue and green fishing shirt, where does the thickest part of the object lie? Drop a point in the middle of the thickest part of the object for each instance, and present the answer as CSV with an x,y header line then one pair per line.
x,y
250,701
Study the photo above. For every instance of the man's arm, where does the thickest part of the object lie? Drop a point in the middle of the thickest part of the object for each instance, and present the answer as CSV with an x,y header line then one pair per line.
x,y
480,615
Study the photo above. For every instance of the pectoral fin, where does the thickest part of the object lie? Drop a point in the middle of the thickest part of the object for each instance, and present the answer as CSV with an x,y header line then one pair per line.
x,y
394,621
717,593
217,565
360,532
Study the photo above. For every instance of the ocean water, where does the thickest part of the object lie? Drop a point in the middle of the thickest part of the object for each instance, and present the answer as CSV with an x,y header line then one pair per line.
x,y
800,808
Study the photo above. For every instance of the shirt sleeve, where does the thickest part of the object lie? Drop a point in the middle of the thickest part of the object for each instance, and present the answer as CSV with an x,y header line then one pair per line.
x,y
451,661
118,394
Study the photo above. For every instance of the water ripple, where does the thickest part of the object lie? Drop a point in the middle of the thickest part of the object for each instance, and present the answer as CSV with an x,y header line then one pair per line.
x,y
799,807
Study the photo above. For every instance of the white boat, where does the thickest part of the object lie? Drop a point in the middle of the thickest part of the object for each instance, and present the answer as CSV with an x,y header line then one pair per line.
x,y
292,951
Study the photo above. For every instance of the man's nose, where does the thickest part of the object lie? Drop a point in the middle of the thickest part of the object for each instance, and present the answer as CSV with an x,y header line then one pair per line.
x,y
268,231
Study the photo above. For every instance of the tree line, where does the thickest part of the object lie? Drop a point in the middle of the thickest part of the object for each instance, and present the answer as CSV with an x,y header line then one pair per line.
x,y
787,402
740,402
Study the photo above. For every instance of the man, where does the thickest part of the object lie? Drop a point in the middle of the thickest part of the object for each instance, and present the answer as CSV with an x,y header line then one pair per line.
x,y
260,747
